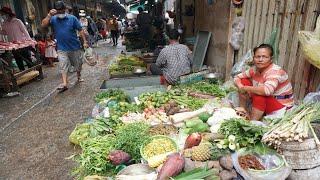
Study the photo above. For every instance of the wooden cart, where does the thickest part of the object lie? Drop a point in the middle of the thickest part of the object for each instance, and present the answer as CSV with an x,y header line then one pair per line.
x,y
9,79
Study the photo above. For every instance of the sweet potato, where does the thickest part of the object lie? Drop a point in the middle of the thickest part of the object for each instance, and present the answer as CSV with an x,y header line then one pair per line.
x,y
171,167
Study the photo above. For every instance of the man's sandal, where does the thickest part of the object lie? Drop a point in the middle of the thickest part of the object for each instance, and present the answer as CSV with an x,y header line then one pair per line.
x,y
80,80
62,89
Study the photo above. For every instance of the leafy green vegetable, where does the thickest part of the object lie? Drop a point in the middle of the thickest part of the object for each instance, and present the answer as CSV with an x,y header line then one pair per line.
x,y
155,99
80,133
125,64
204,116
93,159
204,87
198,173
246,133
115,94
217,152
190,102
130,137
98,127
193,122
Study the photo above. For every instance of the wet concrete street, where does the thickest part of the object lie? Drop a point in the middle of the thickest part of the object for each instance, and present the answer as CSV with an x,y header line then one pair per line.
x,y
35,125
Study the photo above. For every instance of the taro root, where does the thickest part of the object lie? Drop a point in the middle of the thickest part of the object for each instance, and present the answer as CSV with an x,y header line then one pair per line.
x,y
226,162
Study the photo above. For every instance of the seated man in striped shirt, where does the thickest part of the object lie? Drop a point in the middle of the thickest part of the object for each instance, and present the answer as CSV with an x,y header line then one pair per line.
x,y
173,61
266,84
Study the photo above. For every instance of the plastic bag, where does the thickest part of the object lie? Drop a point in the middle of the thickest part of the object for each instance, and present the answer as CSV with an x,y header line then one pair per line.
x,y
234,99
312,97
243,64
89,57
275,165
317,30
310,42
237,33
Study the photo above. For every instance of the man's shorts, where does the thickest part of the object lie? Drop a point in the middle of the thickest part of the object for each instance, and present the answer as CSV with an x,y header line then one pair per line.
x,y
70,58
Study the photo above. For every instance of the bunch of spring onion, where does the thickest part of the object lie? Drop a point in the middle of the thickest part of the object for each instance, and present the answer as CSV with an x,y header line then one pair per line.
x,y
294,126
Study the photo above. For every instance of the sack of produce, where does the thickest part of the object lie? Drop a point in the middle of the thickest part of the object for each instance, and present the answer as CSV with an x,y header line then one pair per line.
x,y
252,166
310,42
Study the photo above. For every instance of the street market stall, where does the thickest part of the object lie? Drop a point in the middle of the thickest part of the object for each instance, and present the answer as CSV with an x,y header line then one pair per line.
x,y
191,131
9,78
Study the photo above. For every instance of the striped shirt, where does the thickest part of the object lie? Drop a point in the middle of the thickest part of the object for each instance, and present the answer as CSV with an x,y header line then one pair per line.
x,y
174,61
16,30
275,80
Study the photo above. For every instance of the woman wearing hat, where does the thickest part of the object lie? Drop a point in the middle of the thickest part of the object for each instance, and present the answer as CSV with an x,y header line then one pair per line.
x,y
16,31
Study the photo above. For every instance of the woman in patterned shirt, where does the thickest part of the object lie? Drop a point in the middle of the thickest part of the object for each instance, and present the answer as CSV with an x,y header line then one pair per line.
x,y
266,84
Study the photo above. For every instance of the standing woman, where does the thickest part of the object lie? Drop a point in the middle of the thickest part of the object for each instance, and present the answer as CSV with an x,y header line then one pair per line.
x,y
16,32
114,30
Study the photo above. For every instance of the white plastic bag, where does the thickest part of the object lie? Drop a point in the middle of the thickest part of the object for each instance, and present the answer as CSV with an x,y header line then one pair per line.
x,y
310,42
312,97
279,173
237,33
89,57
243,64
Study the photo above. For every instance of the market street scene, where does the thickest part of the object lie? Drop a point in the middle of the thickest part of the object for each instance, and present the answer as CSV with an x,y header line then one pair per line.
x,y
160,89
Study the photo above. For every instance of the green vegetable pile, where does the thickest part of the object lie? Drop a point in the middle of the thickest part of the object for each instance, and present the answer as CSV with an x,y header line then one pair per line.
x,y
130,137
155,99
241,132
204,87
197,125
98,127
114,94
190,102
93,159
125,64
216,152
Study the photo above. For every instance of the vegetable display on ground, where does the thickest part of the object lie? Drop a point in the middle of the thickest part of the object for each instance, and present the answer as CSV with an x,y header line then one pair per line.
x,y
187,132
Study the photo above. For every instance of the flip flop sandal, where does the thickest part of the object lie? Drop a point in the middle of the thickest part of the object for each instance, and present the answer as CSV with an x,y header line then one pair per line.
x,y
62,89
80,80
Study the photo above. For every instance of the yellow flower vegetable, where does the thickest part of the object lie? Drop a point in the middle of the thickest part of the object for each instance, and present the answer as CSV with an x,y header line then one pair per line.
x,y
158,146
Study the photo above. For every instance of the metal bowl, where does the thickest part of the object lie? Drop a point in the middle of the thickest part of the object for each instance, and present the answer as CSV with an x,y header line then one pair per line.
x,y
213,76
139,70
